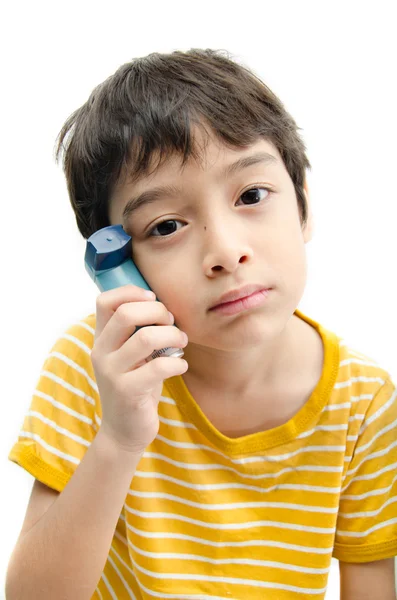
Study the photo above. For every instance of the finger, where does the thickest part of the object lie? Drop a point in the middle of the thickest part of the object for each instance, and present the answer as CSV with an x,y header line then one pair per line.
x,y
152,373
144,342
108,302
124,321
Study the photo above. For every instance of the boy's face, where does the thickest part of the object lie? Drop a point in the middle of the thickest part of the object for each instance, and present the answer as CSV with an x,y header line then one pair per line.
x,y
208,234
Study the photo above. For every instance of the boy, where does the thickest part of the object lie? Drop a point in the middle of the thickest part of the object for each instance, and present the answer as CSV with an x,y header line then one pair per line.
x,y
240,471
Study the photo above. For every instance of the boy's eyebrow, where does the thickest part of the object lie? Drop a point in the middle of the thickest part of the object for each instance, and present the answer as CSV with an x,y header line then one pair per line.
x,y
248,161
158,193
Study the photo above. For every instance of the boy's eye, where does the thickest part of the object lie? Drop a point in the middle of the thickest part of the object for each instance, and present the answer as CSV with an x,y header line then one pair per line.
x,y
165,228
254,195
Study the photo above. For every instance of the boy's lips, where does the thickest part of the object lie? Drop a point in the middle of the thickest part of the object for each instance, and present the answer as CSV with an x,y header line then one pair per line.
x,y
238,294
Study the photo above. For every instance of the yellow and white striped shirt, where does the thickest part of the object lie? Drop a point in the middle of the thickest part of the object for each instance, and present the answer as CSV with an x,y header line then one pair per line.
x,y
207,516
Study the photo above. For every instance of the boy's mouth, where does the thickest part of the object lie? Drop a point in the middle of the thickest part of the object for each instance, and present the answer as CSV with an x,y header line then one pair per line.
x,y
245,293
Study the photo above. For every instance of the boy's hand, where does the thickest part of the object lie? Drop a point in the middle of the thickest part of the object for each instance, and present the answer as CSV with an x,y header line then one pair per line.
x,y
129,387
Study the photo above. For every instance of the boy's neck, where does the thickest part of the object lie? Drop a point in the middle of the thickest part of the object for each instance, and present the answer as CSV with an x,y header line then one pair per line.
x,y
239,375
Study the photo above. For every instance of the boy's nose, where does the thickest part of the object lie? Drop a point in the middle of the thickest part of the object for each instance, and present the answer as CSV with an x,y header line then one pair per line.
x,y
225,253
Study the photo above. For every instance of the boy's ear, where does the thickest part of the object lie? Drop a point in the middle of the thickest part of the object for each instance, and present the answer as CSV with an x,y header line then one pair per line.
x,y
309,227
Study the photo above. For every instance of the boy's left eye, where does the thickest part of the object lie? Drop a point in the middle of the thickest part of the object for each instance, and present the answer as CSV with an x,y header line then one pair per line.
x,y
254,195
165,228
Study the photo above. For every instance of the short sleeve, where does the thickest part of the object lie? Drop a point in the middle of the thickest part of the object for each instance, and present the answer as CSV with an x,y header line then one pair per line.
x,y
367,519
64,412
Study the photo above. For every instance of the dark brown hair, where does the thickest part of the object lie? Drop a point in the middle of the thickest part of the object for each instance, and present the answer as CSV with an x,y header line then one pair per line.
x,y
148,108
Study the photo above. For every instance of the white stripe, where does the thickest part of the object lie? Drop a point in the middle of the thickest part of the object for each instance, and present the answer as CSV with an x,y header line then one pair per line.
x,y
367,531
357,417
99,593
76,367
77,342
358,361
63,407
252,583
309,433
287,455
238,486
245,544
371,475
228,526
62,430
86,326
362,397
119,536
370,513
215,467
251,459
55,451
234,505
352,438
98,419
109,587
380,411
376,492
352,400
343,384
167,400
340,406
67,386
175,423
127,587
227,561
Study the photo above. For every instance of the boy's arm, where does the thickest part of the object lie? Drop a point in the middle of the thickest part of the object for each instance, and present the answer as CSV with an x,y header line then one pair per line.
x,y
366,581
62,553
65,542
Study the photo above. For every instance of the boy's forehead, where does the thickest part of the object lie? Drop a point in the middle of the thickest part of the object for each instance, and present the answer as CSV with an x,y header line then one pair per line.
x,y
211,155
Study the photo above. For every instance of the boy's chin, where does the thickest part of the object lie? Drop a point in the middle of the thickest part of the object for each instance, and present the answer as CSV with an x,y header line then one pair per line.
x,y
245,335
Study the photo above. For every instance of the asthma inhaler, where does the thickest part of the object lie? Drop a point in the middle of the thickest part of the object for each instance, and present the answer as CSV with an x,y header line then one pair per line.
x,y
108,260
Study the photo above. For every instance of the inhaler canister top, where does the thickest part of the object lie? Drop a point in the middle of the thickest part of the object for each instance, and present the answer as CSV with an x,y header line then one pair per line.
x,y
107,248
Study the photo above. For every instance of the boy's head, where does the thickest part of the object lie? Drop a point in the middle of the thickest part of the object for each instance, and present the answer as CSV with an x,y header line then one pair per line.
x,y
179,121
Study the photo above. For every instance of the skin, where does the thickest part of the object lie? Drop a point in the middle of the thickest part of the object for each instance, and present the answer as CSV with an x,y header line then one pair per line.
x,y
365,581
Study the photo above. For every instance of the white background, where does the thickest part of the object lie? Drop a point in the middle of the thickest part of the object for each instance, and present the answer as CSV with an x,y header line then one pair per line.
x,y
332,63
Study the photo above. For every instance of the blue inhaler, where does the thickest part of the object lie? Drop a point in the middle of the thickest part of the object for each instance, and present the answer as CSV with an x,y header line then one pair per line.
x,y
108,260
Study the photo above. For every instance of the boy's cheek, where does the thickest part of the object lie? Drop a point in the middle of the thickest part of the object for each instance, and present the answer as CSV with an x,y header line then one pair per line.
x,y
173,293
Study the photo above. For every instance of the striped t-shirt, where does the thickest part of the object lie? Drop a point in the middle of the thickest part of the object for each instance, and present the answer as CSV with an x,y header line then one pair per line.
x,y
207,516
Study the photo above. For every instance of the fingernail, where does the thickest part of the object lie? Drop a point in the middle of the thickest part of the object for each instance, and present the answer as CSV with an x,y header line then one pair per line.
x,y
171,317
150,294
